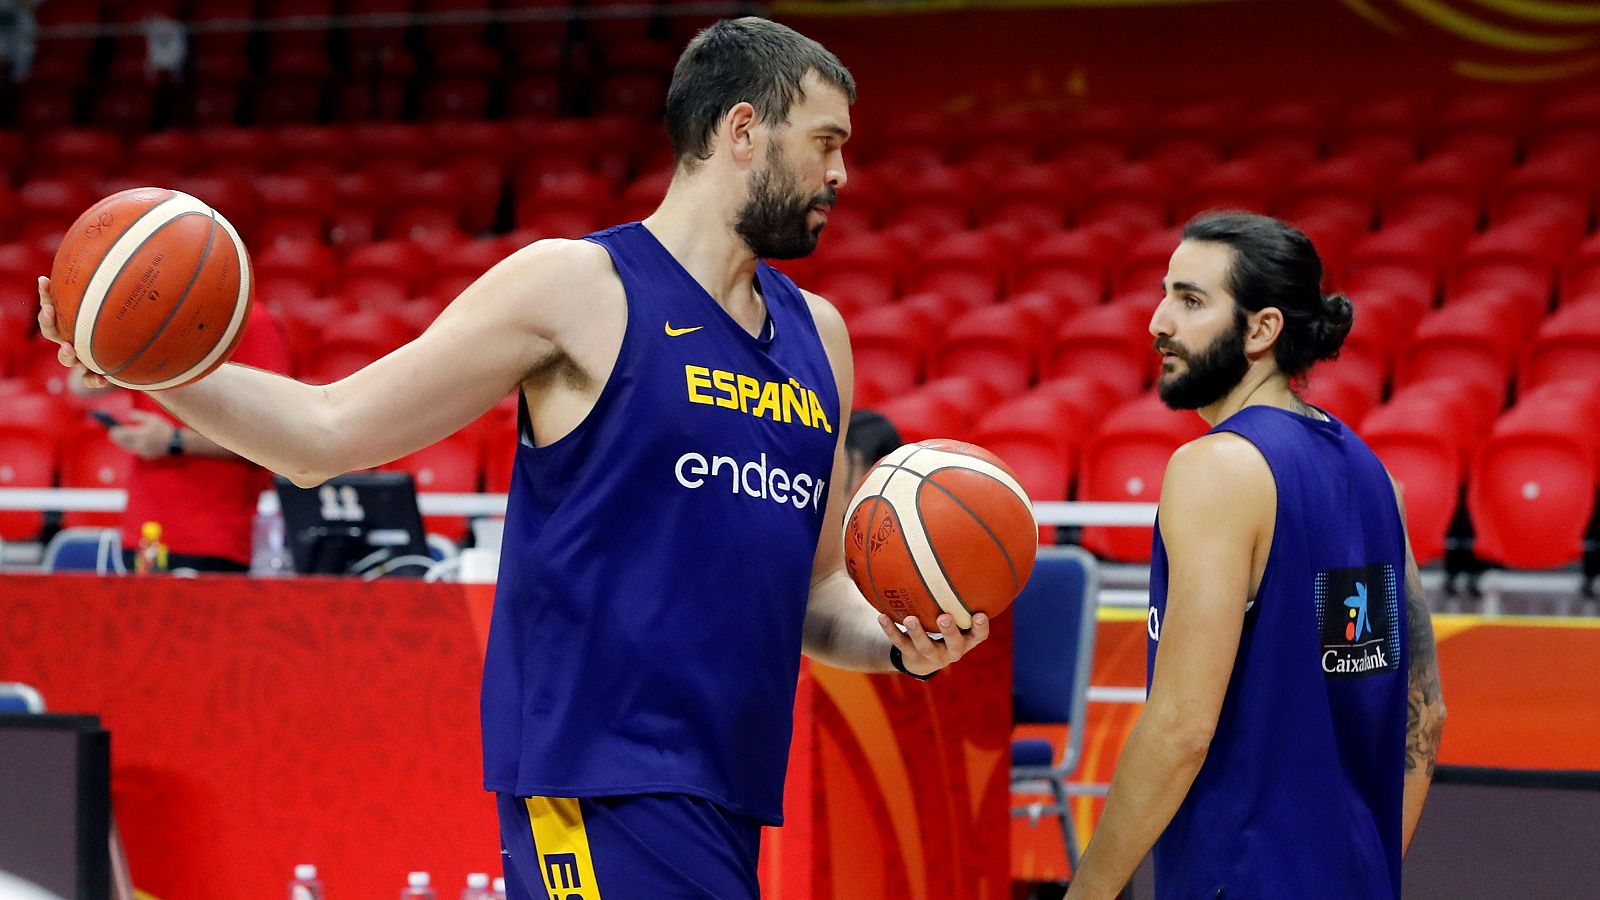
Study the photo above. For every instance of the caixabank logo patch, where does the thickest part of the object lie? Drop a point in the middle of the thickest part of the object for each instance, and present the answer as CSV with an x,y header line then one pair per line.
x,y
1358,618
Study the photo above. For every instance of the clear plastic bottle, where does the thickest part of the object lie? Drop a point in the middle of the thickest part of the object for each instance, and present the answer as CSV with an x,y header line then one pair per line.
x,y
305,885
152,556
268,556
499,889
418,887
477,887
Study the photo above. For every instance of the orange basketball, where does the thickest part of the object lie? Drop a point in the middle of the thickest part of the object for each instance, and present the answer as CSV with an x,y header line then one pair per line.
x,y
940,527
152,287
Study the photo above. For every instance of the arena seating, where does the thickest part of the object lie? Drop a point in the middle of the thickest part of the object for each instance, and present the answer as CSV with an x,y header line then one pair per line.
x,y
997,269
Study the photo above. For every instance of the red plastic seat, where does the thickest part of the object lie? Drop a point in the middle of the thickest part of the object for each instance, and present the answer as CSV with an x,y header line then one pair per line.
x,y
569,203
1532,490
1106,343
89,459
1404,260
866,270
1523,254
920,416
27,460
1247,184
999,345
1567,346
1144,268
1496,110
1342,396
1559,182
1037,198
1038,437
891,345
50,205
289,271
1134,195
1183,156
1472,341
1414,436
463,265
1446,186
1345,186
451,466
934,198
382,273
1124,462
965,264
1074,262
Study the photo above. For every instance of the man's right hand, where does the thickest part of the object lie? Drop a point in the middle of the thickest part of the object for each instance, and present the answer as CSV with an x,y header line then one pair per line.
x,y
67,356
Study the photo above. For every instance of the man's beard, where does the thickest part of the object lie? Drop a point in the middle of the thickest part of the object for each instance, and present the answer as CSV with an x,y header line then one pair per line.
x,y
775,221
1209,375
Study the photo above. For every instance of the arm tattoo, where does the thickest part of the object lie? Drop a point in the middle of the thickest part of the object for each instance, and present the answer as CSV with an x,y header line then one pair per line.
x,y
1424,710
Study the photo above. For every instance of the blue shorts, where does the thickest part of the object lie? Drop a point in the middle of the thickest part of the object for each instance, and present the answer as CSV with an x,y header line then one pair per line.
x,y
648,847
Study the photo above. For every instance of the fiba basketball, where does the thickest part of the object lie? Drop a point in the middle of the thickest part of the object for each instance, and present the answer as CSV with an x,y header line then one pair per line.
x,y
940,526
153,288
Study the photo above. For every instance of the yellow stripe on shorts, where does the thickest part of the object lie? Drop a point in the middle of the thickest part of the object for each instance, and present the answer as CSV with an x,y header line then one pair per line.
x,y
563,847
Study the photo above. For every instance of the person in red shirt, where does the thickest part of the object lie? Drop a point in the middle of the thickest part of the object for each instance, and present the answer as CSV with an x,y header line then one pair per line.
x,y
203,496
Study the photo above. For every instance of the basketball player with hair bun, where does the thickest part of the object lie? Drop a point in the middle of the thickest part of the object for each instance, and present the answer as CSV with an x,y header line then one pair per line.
x,y
673,535
1294,711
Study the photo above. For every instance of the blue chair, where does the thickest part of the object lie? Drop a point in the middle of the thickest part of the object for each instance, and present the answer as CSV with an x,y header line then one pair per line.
x,y
97,550
1053,649
16,697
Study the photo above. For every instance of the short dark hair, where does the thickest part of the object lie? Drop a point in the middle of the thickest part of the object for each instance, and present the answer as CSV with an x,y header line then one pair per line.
x,y
1274,264
872,435
739,60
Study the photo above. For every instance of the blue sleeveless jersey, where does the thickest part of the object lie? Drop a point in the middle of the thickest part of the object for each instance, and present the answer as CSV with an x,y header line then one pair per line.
x,y
1300,793
657,559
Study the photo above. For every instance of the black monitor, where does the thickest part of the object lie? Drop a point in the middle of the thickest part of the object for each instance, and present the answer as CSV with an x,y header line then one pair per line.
x,y
55,806
356,524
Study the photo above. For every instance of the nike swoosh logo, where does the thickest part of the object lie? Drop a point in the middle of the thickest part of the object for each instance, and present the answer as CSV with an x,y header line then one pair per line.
x,y
676,332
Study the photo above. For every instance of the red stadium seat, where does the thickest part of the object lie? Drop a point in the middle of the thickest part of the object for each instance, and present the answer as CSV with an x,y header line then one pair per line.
x,y
1038,437
999,345
972,397
922,416
451,466
1182,156
866,269
1445,186
1495,110
1403,260
1247,184
965,264
1144,268
642,195
462,266
89,459
1073,262
291,271
891,345
1342,396
934,198
49,206
1556,183
1038,198
1471,341
1124,462
1532,489
1521,255
1345,186
1414,436
1107,343
1567,346
568,203
1581,274
75,148
27,460
1134,195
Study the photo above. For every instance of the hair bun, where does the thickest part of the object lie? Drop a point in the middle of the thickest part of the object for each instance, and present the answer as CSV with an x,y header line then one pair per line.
x,y
1330,330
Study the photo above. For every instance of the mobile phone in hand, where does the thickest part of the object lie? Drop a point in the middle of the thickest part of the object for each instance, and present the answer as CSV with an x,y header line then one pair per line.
x,y
104,418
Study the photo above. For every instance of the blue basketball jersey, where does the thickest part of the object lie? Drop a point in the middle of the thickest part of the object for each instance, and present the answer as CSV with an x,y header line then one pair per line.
x,y
657,559
1300,794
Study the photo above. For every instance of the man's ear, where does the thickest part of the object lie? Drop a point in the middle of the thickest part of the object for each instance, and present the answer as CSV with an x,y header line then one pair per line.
x,y
738,125
1263,330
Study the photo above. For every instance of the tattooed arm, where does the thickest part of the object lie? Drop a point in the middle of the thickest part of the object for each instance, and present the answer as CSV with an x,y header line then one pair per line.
x,y
1424,702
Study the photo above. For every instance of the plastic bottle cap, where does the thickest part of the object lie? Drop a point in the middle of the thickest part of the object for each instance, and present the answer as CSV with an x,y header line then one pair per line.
x,y
417,879
151,530
477,880
305,871
499,885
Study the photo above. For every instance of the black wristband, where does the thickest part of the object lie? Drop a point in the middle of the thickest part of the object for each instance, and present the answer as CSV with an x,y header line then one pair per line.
x,y
898,660
175,443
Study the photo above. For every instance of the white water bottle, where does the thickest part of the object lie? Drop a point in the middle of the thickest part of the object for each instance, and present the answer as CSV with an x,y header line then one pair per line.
x,y
418,887
305,885
477,887
268,555
499,889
